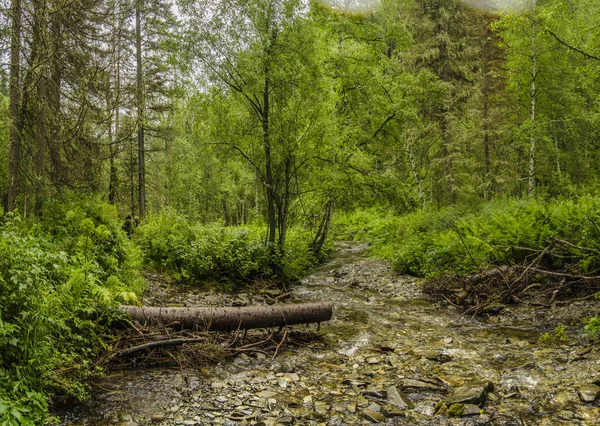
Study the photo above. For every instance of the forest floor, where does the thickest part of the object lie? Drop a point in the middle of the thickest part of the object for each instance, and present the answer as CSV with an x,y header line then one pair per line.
x,y
388,356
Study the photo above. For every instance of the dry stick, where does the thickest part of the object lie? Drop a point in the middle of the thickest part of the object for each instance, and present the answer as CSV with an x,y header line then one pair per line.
x,y
251,345
160,343
282,295
562,275
466,247
280,343
235,335
569,244
530,286
537,259
448,300
566,302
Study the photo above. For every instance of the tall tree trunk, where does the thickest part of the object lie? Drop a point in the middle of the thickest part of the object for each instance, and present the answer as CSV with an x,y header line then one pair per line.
x,y
54,100
113,104
112,174
486,112
532,111
415,172
269,181
39,46
14,159
140,111
285,203
323,230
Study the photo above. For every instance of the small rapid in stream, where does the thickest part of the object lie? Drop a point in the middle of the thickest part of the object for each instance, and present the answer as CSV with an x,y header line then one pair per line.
x,y
388,356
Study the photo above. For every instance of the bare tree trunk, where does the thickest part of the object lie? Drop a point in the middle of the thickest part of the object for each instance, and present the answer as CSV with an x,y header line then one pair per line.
x,y
140,111
233,318
321,235
225,211
415,171
113,106
532,111
14,156
54,101
486,113
269,181
39,46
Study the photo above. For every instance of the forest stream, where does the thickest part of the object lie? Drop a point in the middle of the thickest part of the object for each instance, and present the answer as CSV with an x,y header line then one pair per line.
x,y
388,356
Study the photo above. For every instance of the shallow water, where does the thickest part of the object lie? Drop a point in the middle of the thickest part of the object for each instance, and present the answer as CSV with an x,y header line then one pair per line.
x,y
383,333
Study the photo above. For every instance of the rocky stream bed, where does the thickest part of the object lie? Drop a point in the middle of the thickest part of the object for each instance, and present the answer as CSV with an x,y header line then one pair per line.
x,y
388,356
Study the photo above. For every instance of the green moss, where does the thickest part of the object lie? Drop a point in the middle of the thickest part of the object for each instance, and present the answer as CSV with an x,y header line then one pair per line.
x,y
556,338
456,409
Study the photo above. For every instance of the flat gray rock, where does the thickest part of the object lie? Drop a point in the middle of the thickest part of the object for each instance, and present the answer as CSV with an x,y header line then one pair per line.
x,y
589,393
398,399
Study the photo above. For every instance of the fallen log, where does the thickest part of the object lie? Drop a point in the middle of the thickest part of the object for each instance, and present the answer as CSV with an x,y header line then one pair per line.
x,y
232,318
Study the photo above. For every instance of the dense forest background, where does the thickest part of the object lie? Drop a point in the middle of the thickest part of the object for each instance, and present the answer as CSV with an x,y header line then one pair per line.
x,y
241,132
253,110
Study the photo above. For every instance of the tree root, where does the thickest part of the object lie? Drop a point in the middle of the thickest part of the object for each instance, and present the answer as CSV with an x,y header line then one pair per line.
x,y
545,278
159,345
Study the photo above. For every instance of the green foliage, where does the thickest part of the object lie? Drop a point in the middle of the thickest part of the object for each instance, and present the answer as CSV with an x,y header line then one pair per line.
x,y
556,338
592,326
202,252
464,240
60,281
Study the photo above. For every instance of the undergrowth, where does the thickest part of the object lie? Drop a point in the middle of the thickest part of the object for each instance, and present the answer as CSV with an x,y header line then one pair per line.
x,y
232,255
61,279
463,240
460,242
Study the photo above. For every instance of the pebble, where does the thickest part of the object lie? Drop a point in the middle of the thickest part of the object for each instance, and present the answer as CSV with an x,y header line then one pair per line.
x,y
157,418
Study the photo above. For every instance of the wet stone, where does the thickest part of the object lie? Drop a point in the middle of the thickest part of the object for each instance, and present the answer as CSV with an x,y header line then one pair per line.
x,y
126,420
417,385
390,411
398,399
372,415
471,410
374,407
335,421
438,357
589,393
156,418
468,394
372,393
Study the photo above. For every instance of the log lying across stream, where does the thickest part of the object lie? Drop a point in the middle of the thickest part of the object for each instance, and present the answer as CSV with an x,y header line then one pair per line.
x,y
233,318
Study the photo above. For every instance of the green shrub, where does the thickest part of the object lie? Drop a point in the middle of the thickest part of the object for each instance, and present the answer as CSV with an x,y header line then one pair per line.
x,y
464,240
60,282
198,253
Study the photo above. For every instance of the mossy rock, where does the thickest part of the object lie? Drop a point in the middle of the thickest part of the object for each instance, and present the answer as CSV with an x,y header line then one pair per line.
x,y
456,409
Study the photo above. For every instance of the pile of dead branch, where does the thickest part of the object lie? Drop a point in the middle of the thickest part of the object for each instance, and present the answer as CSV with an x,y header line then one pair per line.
x,y
555,275
155,345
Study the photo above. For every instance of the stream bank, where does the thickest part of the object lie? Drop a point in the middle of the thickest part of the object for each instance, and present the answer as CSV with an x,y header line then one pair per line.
x,y
388,356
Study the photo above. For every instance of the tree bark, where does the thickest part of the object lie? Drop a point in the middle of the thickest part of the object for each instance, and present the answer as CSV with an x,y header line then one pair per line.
x,y
233,318
14,159
39,43
532,111
140,111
